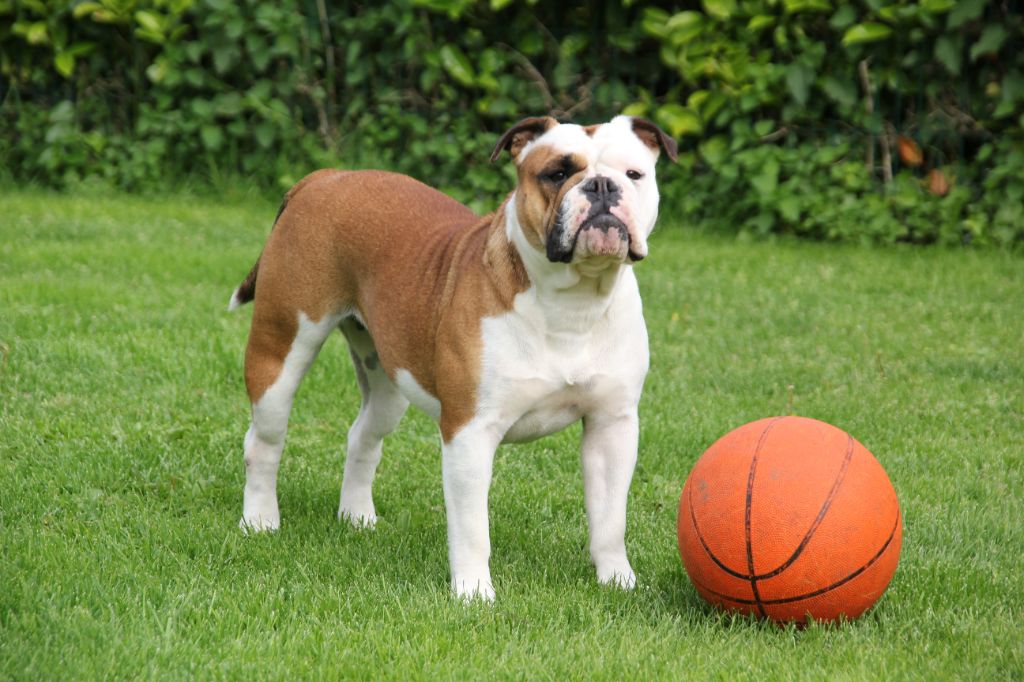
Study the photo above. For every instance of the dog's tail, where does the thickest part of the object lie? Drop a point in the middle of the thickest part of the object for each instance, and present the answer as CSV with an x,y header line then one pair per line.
x,y
246,291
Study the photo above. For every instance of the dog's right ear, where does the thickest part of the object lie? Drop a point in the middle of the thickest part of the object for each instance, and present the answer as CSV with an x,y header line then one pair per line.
x,y
517,137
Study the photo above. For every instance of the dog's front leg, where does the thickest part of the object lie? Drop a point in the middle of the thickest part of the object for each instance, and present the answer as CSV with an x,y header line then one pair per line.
x,y
467,461
609,456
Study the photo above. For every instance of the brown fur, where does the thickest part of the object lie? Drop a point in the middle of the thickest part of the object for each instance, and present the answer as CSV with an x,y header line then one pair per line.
x,y
537,200
420,268
516,137
655,138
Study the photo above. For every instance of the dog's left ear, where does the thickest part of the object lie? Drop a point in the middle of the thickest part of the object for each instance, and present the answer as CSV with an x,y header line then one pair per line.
x,y
654,137
516,137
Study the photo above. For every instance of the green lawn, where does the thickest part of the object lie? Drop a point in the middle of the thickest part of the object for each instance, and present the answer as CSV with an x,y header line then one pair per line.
x,y
122,412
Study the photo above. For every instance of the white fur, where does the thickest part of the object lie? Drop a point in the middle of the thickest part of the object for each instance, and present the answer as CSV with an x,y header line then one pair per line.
x,y
416,394
613,150
573,346
264,441
234,303
383,407
560,355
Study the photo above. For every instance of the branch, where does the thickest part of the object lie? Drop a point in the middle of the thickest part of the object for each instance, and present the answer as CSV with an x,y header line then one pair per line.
x,y
869,108
533,74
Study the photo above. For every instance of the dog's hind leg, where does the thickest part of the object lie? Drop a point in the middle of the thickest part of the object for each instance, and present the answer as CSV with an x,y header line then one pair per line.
x,y
382,409
281,348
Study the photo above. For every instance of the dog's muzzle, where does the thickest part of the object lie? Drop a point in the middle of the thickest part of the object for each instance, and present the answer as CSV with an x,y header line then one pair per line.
x,y
599,234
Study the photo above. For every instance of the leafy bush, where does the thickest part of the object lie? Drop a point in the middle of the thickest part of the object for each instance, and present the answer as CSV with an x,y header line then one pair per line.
x,y
801,109
895,121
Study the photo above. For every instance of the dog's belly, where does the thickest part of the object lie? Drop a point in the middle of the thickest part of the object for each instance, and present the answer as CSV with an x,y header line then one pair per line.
x,y
550,414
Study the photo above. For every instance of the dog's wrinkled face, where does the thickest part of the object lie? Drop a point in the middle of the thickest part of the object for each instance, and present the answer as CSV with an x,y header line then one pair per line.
x,y
587,195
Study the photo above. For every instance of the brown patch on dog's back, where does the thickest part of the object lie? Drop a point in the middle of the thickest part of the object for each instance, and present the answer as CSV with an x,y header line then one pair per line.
x,y
419,268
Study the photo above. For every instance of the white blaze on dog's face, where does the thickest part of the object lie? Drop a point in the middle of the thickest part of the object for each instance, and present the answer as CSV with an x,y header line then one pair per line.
x,y
587,194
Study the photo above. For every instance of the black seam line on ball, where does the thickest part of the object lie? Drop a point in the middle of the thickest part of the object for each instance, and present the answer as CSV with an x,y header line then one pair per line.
x,y
821,513
746,514
815,593
807,537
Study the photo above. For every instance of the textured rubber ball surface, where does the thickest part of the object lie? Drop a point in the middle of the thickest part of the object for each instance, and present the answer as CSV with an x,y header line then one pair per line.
x,y
789,517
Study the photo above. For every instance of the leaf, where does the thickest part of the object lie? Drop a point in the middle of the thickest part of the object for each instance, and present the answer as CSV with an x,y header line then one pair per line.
x,y
1013,87
992,38
714,150
764,127
211,136
760,21
767,180
965,10
635,109
842,92
265,133
35,33
150,36
654,23
228,104
259,51
202,108
685,26
938,184
797,6
798,80
82,48
64,62
844,16
789,208
910,151
149,21
937,6
678,120
457,65
719,9
224,57
869,32
949,52
157,71
234,28
84,8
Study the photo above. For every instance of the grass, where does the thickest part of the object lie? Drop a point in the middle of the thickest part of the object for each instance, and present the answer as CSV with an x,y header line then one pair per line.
x,y
122,412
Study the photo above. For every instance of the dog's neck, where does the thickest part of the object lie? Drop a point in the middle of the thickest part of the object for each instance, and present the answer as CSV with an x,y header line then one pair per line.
x,y
576,294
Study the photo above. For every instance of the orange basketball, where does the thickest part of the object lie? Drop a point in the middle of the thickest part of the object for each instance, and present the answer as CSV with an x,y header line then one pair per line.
x,y
790,517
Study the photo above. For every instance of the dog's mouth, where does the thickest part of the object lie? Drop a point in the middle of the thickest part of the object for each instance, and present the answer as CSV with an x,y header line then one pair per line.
x,y
601,235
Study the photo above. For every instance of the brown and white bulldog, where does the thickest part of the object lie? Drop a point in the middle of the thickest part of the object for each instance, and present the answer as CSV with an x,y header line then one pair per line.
x,y
503,328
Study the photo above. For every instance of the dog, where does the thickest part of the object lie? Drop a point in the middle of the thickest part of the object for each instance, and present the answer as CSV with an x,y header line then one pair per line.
x,y
503,329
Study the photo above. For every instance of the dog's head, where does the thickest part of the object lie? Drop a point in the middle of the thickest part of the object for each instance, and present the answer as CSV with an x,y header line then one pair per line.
x,y
586,194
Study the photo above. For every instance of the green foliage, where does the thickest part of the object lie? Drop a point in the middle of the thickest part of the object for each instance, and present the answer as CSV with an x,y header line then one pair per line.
x,y
796,110
216,88
785,107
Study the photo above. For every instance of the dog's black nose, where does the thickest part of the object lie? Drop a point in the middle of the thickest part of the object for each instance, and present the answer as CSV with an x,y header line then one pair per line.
x,y
602,189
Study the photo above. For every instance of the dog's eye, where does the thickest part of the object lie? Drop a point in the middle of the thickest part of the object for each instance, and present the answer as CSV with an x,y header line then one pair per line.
x,y
556,176
634,175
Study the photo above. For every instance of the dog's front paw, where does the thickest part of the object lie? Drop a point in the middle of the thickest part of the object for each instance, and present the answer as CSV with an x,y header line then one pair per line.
x,y
469,588
363,519
618,575
258,523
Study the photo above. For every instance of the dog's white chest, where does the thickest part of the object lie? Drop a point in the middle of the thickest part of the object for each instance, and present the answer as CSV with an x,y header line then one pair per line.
x,y
552,412
543,370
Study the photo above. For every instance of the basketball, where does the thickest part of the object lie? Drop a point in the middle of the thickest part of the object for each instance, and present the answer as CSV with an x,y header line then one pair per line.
x,y
788,518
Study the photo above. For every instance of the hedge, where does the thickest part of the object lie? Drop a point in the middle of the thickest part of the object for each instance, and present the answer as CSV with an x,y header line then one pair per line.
x,y
875,122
